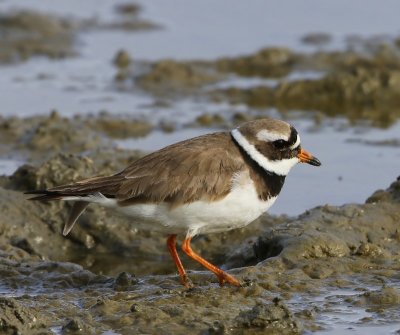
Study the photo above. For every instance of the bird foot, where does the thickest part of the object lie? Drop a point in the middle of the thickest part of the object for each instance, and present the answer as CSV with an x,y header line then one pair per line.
x,y
185,280
224,277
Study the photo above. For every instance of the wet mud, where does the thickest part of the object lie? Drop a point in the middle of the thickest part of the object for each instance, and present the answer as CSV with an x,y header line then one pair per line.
x,y
126,281
172,77
268,62
39,138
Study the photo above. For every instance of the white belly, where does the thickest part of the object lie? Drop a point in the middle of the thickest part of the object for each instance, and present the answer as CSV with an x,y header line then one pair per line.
x,y
239,208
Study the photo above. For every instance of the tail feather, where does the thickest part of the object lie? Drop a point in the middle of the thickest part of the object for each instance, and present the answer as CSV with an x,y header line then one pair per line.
x,y
77,209
80,192
107,186
45,195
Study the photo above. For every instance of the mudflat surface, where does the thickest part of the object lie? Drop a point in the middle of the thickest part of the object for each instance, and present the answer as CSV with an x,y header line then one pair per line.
x,y
295,272
92,103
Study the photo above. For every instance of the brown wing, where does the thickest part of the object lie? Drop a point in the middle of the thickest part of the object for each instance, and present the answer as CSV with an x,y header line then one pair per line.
x,y
108,186
199,168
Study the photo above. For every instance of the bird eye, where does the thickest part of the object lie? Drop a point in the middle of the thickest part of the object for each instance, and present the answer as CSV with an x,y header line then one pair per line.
x,y
280,144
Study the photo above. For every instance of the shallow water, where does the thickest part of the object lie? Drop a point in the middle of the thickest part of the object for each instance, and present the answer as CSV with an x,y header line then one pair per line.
x,y
9,165
208,34
244,83
338,316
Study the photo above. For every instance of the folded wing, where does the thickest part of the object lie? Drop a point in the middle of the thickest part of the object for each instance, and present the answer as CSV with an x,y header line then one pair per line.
x,y
199,168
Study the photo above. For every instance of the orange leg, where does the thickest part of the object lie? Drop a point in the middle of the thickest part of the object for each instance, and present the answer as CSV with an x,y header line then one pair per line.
x,y
223,277
171,244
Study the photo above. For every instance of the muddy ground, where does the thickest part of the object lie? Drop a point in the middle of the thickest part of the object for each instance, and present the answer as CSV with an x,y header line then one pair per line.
x,y
132,285
106,275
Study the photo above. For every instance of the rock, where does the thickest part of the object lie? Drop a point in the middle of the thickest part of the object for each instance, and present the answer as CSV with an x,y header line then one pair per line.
x,y
17,319
385,296
317,39
62,169
57,133
315,245
392,194
124,281
271,316
377,300
122,59
369,250
77,326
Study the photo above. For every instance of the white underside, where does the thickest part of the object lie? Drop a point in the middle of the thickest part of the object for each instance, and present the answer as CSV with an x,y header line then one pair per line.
x,y
239,208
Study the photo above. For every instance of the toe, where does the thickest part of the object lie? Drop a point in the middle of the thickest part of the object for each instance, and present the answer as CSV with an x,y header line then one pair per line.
x,y
187,282
224,277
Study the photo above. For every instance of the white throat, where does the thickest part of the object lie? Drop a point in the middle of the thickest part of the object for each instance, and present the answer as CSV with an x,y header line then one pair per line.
x,y
279,167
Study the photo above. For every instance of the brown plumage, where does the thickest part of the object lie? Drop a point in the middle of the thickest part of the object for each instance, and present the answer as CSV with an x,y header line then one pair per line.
x,y
199,168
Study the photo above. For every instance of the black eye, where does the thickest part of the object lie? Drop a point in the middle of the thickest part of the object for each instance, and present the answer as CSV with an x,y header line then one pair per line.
x,y
280,144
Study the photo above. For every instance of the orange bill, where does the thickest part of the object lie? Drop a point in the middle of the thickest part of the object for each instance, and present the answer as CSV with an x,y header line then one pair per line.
x,y
306,157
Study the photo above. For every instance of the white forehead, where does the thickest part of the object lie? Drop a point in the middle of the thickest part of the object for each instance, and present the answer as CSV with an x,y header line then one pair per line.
x,y
271,135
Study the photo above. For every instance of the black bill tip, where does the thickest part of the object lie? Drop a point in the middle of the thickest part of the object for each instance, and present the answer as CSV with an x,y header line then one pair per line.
x,y
314,161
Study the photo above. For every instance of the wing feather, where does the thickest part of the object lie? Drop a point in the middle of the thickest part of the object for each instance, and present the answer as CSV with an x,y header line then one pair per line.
x,y
199,168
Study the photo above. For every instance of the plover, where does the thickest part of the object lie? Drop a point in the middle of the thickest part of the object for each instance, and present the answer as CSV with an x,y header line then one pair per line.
x,y
207,184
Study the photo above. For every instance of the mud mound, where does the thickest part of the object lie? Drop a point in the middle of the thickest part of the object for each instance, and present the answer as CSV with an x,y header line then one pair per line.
x,y
17,319
169,76
268,62
26,33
